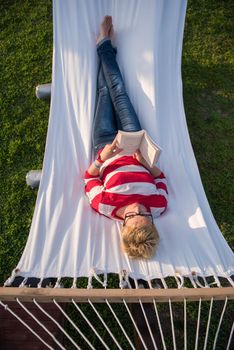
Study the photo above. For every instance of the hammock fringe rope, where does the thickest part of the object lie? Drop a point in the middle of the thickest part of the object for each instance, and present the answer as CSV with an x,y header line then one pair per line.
x,y
197,281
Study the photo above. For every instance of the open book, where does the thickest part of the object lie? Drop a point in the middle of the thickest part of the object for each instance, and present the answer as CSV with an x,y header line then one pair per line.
x,y
130,142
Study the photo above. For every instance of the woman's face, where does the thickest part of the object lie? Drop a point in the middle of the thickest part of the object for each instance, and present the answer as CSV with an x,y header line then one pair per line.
x,y
138,220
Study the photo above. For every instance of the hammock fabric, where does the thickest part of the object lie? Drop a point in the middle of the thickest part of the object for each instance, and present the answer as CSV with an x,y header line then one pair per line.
x,y
67,238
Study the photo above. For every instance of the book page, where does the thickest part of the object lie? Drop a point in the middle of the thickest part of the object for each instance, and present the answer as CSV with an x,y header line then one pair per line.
x,y
129,141
149,150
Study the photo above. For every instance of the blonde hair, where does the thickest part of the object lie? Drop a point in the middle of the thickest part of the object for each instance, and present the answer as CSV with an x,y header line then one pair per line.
x,y
140,241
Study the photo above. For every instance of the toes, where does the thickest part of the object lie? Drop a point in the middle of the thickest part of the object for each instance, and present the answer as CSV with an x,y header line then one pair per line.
x,y
106,27
108,20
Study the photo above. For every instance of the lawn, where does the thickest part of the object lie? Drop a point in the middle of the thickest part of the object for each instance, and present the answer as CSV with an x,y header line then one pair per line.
x,y
26,50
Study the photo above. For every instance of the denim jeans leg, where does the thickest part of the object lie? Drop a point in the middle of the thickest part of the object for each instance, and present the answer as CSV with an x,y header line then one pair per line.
x,y
122,104
104,125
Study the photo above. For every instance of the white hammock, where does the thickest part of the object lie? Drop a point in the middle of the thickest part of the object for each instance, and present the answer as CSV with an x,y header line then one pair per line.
x,y
67,238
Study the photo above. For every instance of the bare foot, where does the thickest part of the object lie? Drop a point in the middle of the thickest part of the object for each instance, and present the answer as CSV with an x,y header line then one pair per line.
x,y
106,29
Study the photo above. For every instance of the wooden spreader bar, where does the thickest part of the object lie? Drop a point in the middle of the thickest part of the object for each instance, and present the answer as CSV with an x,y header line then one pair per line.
x,y
114,295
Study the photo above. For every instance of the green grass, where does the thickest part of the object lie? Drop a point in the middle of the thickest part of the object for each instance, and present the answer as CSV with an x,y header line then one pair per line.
x,y
208,69
26,60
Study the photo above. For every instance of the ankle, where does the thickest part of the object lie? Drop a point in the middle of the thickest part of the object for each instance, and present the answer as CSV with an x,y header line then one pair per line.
x,y
101,41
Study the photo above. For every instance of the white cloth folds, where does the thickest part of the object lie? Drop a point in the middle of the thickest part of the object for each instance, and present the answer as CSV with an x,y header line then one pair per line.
x,y
68,238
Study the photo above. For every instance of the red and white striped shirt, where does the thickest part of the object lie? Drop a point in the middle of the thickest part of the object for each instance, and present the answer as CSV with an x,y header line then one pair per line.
x,y
123,181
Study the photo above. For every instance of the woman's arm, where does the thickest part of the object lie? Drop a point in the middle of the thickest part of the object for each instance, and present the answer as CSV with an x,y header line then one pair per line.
x,y
94,170
108,152
155,171
159,179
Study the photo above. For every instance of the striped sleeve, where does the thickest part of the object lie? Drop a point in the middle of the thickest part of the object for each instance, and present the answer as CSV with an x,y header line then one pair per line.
x,y
161,184
93,188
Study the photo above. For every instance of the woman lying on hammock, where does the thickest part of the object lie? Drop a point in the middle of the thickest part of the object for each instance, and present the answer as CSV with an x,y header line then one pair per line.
x,y
119,186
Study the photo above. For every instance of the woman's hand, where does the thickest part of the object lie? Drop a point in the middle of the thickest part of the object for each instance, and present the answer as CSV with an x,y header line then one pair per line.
x,y
140,158
154,170
110,151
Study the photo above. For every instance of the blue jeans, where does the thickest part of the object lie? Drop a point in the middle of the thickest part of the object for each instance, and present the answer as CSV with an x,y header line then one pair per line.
x,y
114,110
